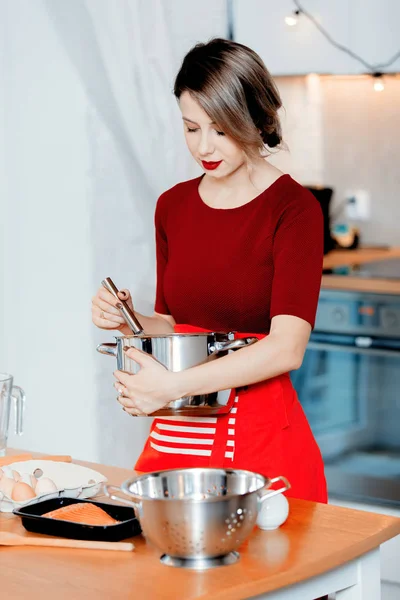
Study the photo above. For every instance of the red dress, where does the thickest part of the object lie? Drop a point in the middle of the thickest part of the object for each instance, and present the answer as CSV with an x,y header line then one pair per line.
x,y
234,270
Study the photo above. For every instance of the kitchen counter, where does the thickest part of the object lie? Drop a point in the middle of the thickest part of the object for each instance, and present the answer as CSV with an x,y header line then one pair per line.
x,y
338,258
320,549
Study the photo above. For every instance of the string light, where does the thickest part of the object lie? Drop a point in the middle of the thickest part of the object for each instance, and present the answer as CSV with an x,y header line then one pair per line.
x,y
292,19
372,69
379,86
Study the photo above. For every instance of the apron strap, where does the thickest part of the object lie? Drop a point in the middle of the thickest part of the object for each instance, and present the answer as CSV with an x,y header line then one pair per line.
x,y
219,447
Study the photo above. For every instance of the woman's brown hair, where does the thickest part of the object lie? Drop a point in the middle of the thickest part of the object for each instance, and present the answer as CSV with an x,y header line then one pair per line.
x,y
233,86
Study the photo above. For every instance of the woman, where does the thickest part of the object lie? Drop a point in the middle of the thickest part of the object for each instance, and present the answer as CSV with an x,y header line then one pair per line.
x,y
239,248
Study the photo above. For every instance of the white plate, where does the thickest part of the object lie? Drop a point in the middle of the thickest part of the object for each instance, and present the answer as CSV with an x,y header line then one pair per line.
x,y
72,481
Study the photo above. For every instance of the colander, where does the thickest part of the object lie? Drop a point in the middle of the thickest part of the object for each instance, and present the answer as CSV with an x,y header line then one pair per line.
x,y
197,517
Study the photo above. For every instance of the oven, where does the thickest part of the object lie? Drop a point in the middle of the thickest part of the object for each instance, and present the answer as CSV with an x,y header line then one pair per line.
x,y
349,387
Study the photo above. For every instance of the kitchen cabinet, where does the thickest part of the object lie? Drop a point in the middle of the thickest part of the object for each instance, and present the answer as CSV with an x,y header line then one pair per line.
x,y
338,258
390,550
367,28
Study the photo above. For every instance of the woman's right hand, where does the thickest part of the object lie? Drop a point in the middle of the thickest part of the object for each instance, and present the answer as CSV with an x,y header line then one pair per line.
x,y
105,315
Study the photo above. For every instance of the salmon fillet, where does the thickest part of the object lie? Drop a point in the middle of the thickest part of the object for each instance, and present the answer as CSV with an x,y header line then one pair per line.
x,y
85,513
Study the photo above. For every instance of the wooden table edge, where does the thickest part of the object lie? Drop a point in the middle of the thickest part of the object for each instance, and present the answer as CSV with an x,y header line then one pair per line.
x,y
292,576
288,578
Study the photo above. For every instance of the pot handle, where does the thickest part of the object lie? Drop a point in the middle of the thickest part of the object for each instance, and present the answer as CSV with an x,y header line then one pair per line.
x,y
233,344
109,491
266,493
109,349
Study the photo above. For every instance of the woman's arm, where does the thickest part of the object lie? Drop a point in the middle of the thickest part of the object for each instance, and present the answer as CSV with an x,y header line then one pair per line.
x,y
281,351
154,386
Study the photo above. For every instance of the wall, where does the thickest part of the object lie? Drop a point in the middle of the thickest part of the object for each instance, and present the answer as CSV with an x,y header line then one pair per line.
x,y
301,118
46,280
343,134
361,129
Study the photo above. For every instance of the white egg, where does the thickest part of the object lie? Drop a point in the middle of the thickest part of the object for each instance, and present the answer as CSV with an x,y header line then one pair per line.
x,y
16,475
7,485
45,486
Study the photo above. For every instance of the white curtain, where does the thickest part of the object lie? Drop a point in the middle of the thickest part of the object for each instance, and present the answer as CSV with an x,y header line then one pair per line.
x,y
104,70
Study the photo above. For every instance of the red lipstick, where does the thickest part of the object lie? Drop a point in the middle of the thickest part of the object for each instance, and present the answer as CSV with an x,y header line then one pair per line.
x,y
210,166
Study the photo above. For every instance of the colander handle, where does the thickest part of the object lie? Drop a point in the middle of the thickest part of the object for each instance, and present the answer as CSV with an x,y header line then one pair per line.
x,y
266,493
109,489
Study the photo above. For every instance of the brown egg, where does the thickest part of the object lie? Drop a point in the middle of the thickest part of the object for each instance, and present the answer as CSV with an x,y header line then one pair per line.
x,y
7,485
22,492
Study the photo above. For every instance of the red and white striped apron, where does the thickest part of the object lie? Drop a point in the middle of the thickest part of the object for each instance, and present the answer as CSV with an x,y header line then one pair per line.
x,y
266,431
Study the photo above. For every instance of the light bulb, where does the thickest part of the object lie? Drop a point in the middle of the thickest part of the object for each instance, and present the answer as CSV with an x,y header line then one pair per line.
x,y
291,20
379,86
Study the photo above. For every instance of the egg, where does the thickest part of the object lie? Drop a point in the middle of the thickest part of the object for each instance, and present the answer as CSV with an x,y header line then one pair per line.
x,y
45,486
26,478
1,473
22,492
7,485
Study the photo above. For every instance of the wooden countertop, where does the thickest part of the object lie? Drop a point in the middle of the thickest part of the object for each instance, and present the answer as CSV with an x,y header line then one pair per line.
x,y
338,258
314,539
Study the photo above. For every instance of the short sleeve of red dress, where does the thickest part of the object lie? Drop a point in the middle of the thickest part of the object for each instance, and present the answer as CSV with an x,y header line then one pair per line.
x,y
297,257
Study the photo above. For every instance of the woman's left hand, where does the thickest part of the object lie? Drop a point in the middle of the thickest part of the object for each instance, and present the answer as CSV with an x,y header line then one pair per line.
x,y
150,389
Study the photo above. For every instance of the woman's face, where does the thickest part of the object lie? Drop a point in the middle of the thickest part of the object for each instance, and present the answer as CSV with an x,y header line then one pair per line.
x,y
216,153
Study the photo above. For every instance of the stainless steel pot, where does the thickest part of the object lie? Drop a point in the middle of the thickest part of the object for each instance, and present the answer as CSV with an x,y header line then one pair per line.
x,y
179,351
197,517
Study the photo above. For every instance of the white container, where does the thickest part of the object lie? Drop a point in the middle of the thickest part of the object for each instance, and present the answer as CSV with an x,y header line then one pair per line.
x,y
273,512
71,481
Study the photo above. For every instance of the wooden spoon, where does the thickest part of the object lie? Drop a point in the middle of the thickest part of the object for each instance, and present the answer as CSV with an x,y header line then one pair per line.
x,y
13,539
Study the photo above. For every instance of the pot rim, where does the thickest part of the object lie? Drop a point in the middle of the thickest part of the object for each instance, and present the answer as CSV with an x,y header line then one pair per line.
x,y
173,334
